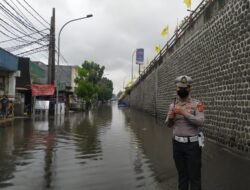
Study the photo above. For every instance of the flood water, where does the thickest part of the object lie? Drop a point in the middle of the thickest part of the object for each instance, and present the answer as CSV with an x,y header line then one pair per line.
x,y
107,149
100,150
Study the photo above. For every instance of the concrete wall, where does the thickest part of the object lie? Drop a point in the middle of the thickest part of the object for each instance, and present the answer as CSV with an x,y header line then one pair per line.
x,y
215,52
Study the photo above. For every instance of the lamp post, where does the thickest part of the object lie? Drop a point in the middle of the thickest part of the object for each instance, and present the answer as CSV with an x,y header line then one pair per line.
x,y
58,58
132,64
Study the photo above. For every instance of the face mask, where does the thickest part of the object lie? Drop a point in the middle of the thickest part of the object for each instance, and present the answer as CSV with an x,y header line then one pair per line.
x,y
183,93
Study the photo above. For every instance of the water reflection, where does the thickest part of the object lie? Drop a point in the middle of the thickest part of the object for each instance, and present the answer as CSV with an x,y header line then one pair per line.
x,y
154,141
7,166
55,153
108,148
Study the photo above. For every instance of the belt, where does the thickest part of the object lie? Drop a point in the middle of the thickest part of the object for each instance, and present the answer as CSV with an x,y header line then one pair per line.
x,y
186,139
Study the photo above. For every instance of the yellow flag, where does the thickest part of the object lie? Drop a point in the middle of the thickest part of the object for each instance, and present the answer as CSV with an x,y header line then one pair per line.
x,y
165,31
188,3
157,48
129,83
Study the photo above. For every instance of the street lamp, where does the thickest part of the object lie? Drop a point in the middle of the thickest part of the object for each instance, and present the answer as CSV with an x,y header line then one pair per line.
x,y
59,36
58,58
132,64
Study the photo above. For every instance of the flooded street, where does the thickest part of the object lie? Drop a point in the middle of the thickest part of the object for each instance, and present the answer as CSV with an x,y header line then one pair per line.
x,y
109,148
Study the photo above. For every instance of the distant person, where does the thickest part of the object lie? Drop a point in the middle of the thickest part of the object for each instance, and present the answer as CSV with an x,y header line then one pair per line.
x,y
5,102
186,117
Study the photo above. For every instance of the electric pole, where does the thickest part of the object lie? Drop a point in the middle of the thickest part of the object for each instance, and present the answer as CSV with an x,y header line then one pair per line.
x,y
51,61
52,50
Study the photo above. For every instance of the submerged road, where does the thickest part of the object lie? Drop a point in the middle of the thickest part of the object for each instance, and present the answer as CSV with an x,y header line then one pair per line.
x,y
107,149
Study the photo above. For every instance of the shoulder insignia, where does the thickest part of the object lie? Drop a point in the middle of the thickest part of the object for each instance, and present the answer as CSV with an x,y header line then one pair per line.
x,y
200,107
189,105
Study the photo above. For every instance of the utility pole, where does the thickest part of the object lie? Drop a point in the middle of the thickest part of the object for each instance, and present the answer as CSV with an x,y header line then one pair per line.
x,y
51,61
52,50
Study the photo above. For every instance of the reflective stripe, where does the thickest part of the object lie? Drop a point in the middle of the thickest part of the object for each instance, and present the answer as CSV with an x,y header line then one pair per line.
x,y
186,139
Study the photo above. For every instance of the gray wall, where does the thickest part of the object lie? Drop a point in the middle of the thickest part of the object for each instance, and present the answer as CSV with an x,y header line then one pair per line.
x,y
215,52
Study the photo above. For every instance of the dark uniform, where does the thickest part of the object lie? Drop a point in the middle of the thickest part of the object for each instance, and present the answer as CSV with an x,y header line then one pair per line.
x,y
186,136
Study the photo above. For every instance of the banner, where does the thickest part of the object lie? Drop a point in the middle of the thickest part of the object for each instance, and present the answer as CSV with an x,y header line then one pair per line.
x,y
139,56
43,90
42,105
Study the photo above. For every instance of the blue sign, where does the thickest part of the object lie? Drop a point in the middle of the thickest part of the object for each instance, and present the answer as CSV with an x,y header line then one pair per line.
x,y
140,56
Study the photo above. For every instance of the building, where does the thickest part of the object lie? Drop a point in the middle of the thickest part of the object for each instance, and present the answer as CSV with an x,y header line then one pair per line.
x,y
31,73
65,77
8,73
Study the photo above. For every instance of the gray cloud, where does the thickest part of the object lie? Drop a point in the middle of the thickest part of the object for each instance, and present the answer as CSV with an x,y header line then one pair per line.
x,y
116,30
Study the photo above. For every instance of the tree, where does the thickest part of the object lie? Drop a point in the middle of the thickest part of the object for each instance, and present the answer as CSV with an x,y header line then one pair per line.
x,y
92,71
90,85
105,91
89,74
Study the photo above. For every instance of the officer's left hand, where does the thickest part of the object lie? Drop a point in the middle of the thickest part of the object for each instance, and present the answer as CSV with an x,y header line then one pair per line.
x,y
179,110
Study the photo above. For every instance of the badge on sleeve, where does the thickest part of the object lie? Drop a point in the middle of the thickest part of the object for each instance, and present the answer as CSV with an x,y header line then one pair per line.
x,y
200,107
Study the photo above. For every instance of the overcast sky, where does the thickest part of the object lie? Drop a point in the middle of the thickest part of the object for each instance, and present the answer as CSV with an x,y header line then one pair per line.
x,y
116,29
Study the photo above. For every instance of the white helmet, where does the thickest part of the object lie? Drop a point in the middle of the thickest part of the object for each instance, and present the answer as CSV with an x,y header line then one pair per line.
x,y
183,81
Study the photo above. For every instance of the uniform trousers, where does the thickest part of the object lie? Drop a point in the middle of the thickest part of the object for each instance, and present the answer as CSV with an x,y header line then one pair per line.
x,y
187,157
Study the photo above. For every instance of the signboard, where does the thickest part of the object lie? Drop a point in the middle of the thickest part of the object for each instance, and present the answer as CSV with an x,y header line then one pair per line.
x,y
61,86
43,90
42,105
140,56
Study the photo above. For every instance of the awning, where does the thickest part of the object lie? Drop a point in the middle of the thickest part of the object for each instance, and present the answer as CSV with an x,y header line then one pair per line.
x,y
8,61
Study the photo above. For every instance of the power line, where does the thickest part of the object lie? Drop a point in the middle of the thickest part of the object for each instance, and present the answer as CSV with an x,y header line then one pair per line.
x,y
18,22
31,13
15,48
64,59
13,27
32,50
13,21
39,51
11,32
8,35
37,13
20,36
20,12
8,12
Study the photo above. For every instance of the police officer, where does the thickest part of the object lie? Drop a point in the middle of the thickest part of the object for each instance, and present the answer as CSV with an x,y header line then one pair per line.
x,y
186,117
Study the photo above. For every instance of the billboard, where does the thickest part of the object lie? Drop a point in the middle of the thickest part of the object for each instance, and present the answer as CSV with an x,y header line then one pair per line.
x,y
139,56
43,90
42,105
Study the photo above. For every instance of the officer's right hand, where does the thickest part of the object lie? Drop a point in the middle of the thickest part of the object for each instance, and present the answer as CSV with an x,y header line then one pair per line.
x,y
170,115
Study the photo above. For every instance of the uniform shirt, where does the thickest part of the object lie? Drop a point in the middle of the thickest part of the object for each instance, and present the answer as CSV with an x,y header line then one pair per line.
x,y
187,125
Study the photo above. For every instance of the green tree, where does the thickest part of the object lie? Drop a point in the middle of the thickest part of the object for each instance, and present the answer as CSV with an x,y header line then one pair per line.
x,y
105,89
90,83
89,74
93,71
